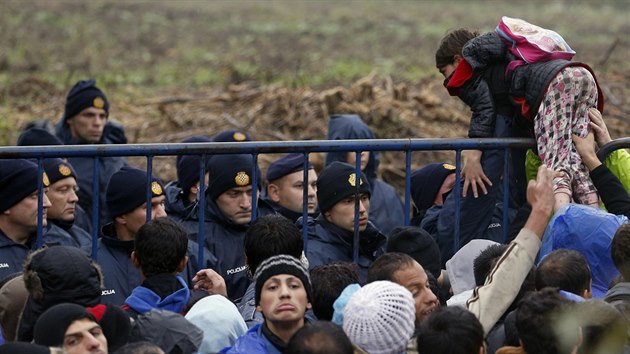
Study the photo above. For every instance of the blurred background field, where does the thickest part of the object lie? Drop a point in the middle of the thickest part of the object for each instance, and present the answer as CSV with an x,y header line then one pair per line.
x,y
172,69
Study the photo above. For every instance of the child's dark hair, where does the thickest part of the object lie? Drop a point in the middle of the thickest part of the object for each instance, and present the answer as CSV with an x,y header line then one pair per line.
x,y
328,282
620,251
271,235
160,246
451,45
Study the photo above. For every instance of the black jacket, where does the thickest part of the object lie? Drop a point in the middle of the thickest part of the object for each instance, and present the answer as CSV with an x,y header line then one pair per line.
x,y
329,243
484,92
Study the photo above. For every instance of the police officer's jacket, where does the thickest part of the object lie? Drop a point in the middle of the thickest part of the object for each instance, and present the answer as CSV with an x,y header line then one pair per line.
x,y
121,277
329,243
13,255
226,240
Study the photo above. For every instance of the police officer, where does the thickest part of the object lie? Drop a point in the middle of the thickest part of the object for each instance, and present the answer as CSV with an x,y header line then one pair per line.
x,y
285,187
127,205
62,194
85,121
229,213
18,212
386,209
331,234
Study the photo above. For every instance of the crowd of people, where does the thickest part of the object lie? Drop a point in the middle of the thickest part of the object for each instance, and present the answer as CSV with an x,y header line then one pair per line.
x,y
357,283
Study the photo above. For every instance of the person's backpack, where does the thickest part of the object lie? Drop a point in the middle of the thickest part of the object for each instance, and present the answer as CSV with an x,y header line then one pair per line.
x,y
532,43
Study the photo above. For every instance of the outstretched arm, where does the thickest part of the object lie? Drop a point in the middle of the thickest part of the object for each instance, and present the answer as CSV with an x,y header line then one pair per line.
x,y
491,300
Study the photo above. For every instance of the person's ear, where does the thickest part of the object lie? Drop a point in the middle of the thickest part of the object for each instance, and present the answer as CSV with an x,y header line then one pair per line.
x,y
327,215
273,191
182,264
309,306
456,59
121,219
134,260
259,308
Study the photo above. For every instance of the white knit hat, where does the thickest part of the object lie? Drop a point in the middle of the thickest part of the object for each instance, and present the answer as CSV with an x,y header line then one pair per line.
x,y
380,318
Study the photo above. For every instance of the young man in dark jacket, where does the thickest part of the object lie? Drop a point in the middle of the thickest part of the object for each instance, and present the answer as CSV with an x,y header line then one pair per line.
x,y
386,208
85,121
228,214
331,234
126,202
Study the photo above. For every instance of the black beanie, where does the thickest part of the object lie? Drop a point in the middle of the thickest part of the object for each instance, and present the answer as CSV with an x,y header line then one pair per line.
x,y
417,243
188,168
230,171
18,179
426,182
127,190
233,135
286,165
58,169
51,326
193,139
37,137
82,95
337,182
281,264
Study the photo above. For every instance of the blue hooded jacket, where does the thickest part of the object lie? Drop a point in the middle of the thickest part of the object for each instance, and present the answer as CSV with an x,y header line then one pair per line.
x,y
386,209
252,342
589,231
143,299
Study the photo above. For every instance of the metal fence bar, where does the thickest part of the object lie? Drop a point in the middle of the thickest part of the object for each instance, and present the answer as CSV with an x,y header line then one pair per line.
x,y
40,203
458,194
407,186
201,210
305,187
357,201
95,205
506,191
149,182
255,148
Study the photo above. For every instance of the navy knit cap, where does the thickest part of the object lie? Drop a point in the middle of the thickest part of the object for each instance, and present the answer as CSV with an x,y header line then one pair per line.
x,y
233,135
229,171
51,326
188,168
417,243
281,264
18,179
194,139
127,190
426,182
58,169
337,182
37,137
291,163
82,95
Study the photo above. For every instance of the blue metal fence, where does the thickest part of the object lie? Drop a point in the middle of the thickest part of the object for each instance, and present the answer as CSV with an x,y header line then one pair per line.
x,y
270,147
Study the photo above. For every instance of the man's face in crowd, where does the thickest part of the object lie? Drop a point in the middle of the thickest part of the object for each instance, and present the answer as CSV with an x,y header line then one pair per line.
x,y
342,213
24,214
88,125
85,336
283,299
351,158
414,278
63,197
288,191
236,204
133,220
